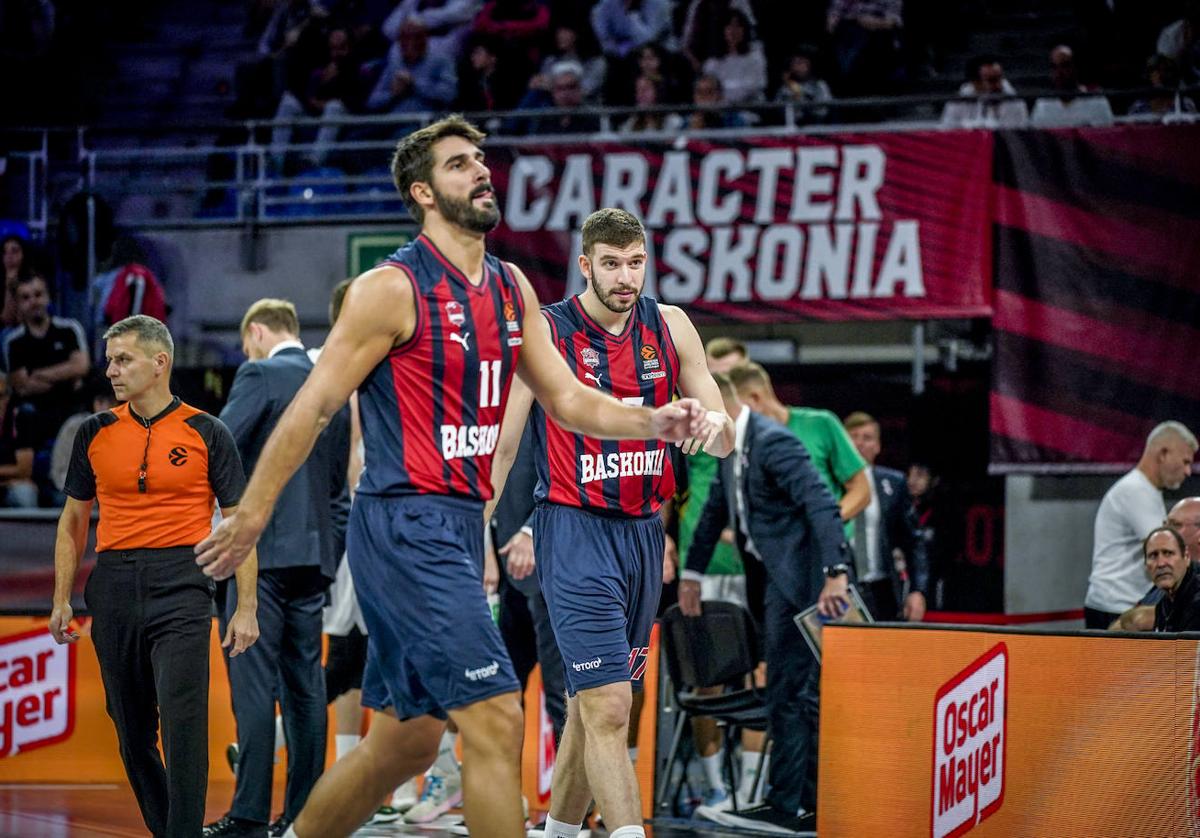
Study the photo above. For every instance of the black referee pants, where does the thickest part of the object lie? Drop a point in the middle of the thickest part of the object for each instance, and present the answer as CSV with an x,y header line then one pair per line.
x,y
151,620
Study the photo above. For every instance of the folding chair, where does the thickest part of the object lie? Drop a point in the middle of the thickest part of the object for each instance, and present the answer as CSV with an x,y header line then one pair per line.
x,y
718,648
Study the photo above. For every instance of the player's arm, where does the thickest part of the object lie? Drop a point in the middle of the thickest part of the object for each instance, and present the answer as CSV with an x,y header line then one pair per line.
x,y
582,409
696,382
378,313
68,551
512,427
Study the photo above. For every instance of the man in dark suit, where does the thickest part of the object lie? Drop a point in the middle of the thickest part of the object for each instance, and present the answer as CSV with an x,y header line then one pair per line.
x,y
788,526
298,559
886,525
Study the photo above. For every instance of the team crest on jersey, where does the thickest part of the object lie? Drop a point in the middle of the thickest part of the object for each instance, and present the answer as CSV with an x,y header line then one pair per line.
x,y
590,356
510,318
649,357
455,313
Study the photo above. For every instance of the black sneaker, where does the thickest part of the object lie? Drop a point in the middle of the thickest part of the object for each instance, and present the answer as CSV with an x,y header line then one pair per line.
x,y
231,827
765,818
279,826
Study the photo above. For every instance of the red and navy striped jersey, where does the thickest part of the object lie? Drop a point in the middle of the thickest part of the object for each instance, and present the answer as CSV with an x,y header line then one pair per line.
x,y
639,366
431,409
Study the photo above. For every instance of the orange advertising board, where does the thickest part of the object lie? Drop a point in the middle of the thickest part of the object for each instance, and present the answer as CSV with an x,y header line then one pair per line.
x,y
940,733
54,728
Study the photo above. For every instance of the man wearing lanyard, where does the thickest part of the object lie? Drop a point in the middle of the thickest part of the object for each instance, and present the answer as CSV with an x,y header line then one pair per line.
x,y
158,467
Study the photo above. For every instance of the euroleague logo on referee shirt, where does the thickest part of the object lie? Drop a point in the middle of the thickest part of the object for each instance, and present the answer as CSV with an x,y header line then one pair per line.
x,y
970,732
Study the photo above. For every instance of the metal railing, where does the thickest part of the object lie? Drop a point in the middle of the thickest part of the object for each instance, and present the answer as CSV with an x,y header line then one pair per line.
x,y
188,180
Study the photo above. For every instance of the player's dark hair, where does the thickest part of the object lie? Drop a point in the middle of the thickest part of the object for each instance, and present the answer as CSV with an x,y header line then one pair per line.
x,y
412,161
614,227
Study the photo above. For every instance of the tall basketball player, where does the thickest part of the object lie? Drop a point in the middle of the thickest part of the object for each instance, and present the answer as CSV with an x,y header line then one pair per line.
x,y
597,534
431,339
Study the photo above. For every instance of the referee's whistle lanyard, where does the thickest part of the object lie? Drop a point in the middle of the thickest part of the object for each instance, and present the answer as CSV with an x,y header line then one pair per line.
x,y
145,453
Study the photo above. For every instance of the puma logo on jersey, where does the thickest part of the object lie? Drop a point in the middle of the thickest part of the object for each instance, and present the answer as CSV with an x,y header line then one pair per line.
x,y
622,464
595,378
468,440
461,338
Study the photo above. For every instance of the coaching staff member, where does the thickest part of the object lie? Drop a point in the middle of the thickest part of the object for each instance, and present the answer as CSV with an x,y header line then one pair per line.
x,y
297,559
158,467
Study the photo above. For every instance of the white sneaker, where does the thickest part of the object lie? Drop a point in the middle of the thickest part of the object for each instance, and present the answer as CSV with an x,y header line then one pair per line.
x,y
441,793
405,796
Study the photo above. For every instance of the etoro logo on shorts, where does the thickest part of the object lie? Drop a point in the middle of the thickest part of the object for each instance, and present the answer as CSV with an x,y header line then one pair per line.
x,y
970,732
585,666
483,672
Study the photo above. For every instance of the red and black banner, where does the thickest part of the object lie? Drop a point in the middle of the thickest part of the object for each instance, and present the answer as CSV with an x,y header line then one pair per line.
x,y
1097,294
832,227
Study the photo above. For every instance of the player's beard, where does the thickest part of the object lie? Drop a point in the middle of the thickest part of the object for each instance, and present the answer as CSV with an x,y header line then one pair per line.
x,y
609,298
465,214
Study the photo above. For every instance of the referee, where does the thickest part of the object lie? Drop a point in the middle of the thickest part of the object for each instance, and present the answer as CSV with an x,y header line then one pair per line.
x,y
157,466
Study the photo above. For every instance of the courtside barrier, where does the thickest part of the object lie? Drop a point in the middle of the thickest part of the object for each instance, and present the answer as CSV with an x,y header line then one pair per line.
x,y
1000,732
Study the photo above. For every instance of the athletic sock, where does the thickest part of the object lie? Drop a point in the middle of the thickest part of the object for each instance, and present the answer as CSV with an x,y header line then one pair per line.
x,y
291,833
345,742
750,773
712,769
558,829
628,832
446,759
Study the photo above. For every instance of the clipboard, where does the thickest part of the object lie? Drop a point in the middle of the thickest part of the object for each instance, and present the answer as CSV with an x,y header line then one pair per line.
x,y
810,621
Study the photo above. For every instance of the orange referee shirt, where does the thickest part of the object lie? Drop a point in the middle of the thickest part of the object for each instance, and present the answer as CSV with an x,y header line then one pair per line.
x,y
157,480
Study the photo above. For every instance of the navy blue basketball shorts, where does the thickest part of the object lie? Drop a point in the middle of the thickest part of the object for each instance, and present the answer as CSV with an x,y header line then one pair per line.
x,y
602,578
417,563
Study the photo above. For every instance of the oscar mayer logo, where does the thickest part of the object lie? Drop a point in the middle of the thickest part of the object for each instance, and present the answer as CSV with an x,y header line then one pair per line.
x,y
37,692
970,730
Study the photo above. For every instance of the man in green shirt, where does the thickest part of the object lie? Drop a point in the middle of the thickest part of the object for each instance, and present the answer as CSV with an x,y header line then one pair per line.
x,y
833,454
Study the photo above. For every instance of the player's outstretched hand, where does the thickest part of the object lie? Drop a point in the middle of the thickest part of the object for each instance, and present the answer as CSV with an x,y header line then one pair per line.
x,y
228,545
674,422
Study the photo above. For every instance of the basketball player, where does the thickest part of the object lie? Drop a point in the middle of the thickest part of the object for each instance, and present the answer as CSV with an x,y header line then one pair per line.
x,y
431,339
597,534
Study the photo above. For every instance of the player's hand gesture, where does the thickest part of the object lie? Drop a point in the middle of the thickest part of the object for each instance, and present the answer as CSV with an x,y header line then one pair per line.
x,y
679,420
229,544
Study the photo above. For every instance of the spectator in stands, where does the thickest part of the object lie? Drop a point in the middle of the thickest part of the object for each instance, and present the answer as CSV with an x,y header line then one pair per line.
x,y
333,91
1165,559
413,78
884,528
46,359
1129,510
447,22
292,43
17,489
15,266
1180,42
1163,75
802,87
621,26
477,77
125,288
519,29
741,65
866,44
708,96
652,60
566,92
102,398
703,34
986,81
1067,107
1184,518
648,95
566,48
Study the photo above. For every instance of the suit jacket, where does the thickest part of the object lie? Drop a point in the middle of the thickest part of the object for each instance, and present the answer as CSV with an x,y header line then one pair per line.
x,y
794,521
898,528
308,527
